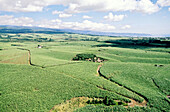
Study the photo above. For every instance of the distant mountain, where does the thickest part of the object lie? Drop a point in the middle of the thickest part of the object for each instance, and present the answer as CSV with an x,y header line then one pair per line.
x,y
108,33
25,29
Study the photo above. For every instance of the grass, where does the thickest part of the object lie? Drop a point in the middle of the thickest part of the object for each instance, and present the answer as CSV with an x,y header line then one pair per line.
x,y
140,77
26,88
129,73
135,55
14,56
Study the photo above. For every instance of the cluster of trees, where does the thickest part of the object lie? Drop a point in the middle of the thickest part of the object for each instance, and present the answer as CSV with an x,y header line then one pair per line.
x,y
99,108
90,39
106,101
88,57
71,38
84,56
44,40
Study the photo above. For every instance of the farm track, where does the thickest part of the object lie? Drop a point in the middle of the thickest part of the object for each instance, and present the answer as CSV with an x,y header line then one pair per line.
x,y
156,85
160,90
133,102
29,57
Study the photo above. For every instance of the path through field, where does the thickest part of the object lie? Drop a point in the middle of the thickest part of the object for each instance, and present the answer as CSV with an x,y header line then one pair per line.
x,y
133,102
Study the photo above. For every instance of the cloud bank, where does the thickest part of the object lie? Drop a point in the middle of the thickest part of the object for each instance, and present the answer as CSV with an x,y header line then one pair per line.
x,y
78,6
56,23
11,20
163,3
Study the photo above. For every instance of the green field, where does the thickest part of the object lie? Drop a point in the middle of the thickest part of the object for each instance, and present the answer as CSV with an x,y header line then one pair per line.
x,y
46,78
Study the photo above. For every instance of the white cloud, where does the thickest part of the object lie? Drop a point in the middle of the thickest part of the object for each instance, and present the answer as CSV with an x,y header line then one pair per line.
x,y
56,21
169,9
86,17
126,27
11,20
85,25
64,15
57,12
146,6
61,14
77,6
93,26
21,5
112,17
163,3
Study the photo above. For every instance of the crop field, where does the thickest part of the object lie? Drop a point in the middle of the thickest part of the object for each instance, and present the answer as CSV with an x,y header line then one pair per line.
x,y
38,73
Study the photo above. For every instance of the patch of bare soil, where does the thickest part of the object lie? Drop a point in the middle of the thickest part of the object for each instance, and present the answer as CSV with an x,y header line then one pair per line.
x,y
98,68
71,105
134,103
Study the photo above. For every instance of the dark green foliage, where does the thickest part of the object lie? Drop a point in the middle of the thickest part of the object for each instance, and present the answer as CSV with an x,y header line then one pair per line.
x,y
120,103
88,57
51,40
101,108
90,39
136,43
16,45
106,101
84,56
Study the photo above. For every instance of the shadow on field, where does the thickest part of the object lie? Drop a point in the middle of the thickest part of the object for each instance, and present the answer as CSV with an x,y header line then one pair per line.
x,y
134,44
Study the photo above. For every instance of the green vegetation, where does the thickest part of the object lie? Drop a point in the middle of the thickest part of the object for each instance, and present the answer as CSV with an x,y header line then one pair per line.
x,y
142,78
88,57
38,72
138,43
101,108
106,101
84,56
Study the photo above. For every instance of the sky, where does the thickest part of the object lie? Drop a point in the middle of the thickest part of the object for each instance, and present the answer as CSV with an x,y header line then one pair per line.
x,y
120,16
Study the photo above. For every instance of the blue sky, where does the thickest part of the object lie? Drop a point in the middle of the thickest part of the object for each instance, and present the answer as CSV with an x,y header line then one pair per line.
x,y
122,16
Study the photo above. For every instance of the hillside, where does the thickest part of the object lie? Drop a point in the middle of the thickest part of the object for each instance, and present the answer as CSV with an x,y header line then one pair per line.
x,y
42,71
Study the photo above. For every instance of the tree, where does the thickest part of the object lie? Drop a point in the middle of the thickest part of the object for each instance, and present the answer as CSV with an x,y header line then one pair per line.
x,y
106,101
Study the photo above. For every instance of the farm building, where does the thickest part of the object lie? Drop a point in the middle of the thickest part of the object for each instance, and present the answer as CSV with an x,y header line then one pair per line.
x,y
39,46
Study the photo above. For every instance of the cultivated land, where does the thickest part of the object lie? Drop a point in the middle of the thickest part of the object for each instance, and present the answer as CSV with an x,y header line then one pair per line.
x,y
38,73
